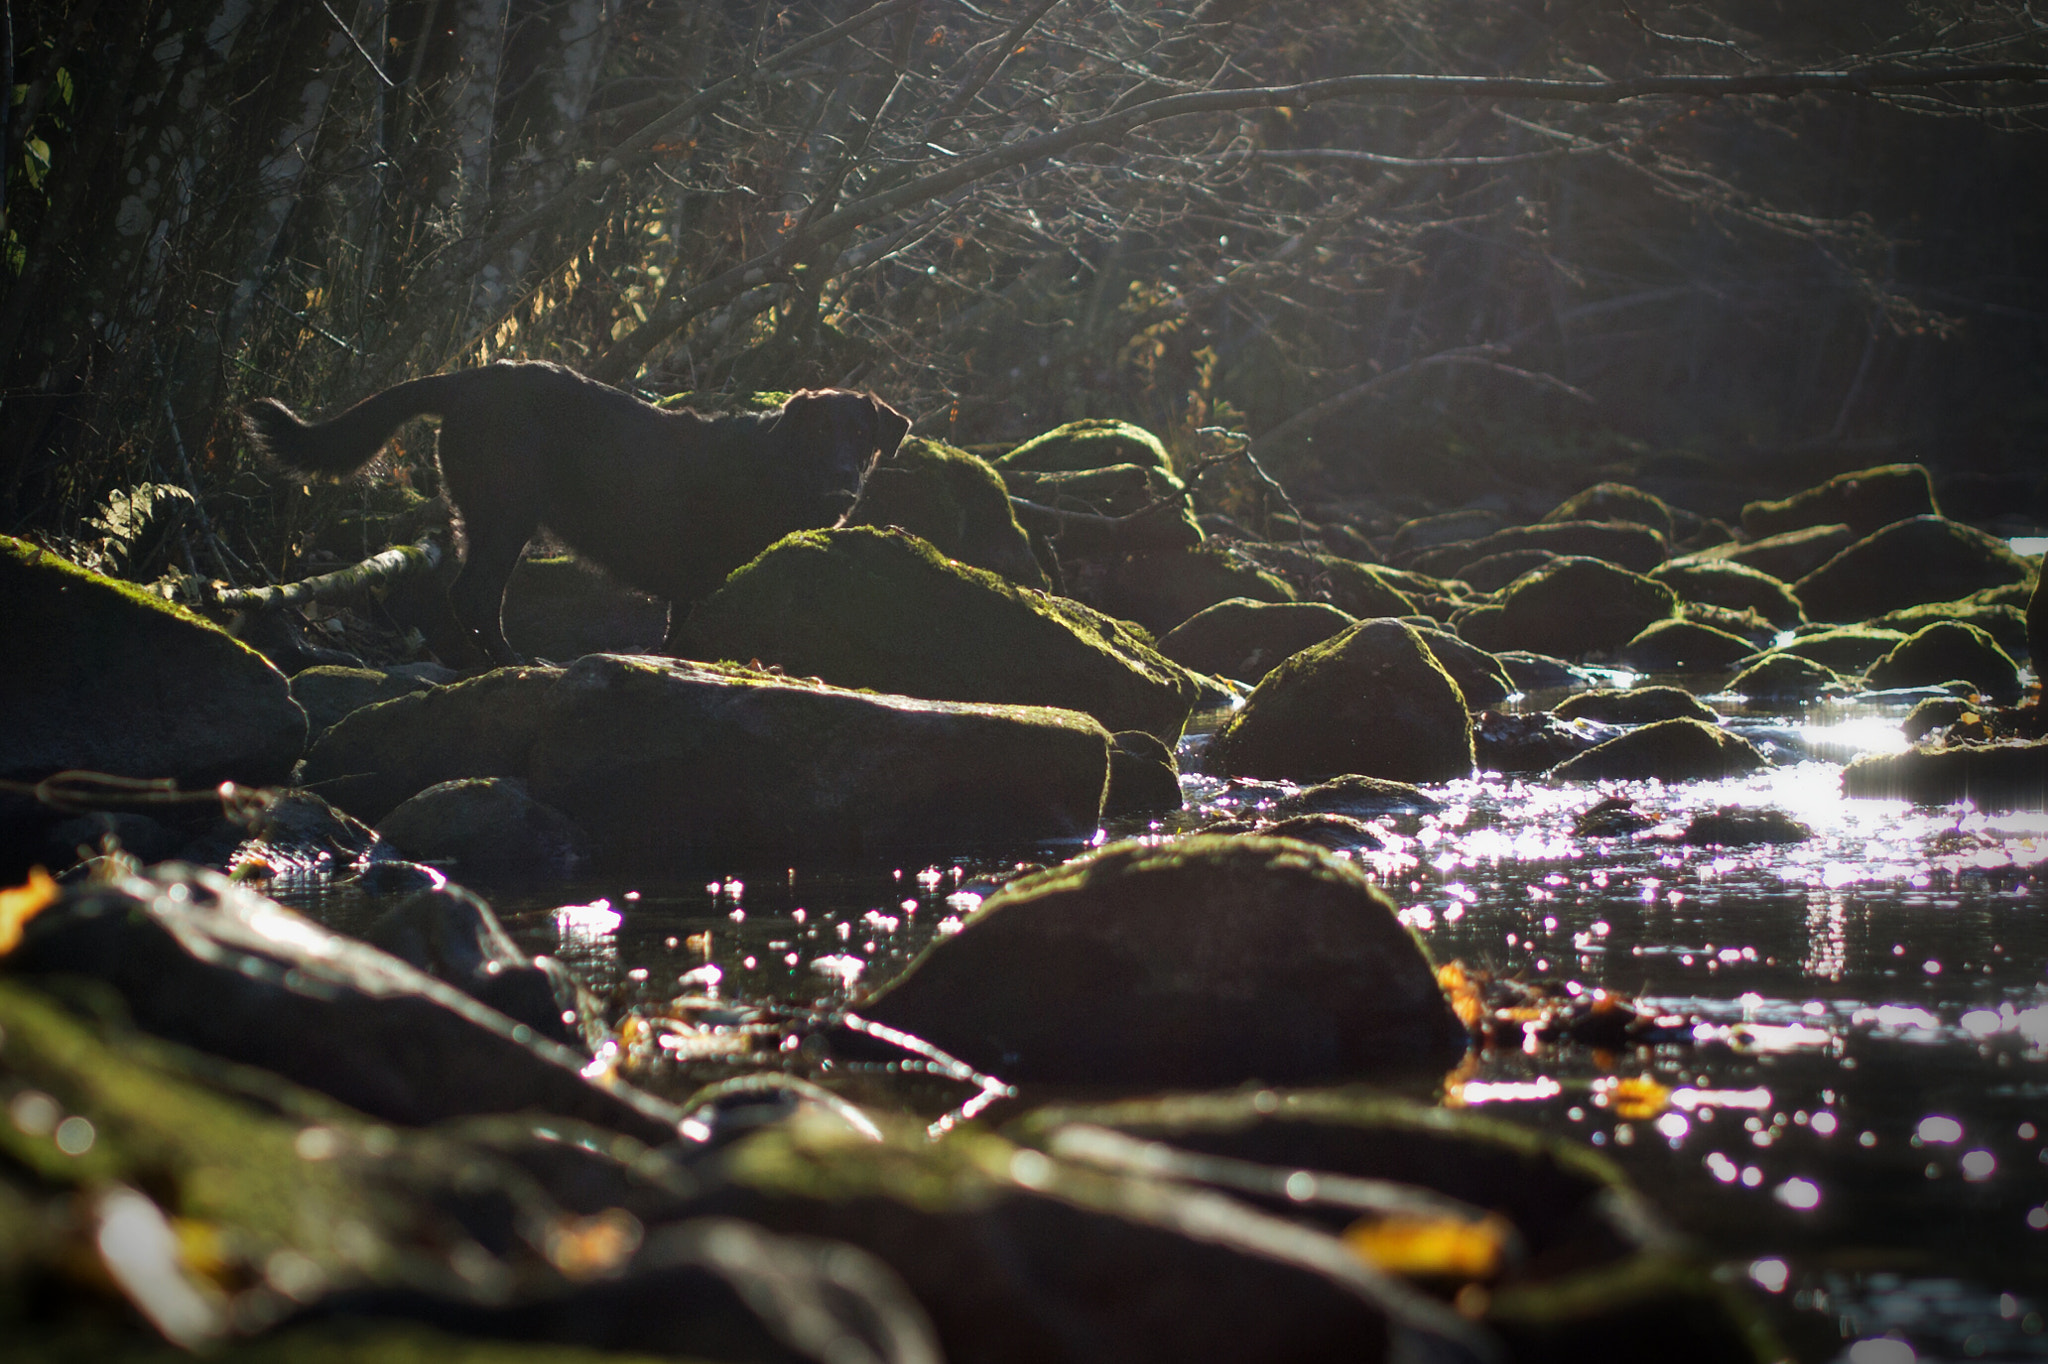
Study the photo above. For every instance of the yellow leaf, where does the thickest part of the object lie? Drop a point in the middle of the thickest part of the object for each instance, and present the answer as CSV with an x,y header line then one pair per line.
x,y
21,903
1430,1247
1633,1100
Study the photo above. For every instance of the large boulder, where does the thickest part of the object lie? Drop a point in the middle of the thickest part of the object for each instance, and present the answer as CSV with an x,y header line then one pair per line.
x,y
1944,651
1206,962
1669,750
484,828
882,609
1092,443
1728,583
562,607
1787,557
1247,639
1373,701
1864,501
1633,547
2004,623
661,762
106,677
1570,608
1615,502
1160,590
2011,774
1923,559
952,500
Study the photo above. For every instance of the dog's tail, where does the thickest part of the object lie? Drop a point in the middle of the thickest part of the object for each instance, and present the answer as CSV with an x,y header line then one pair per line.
x,y
345,443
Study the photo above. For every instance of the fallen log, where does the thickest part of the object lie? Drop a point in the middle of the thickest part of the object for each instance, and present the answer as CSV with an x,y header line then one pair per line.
x,y
379,570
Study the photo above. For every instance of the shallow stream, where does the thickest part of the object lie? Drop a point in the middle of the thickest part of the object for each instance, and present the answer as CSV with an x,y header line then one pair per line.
x,y
1853,1122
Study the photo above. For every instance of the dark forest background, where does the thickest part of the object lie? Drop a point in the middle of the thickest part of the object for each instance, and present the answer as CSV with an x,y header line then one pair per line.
x,y
1006,214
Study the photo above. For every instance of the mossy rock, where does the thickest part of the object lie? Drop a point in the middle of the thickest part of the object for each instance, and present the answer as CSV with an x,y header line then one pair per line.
x,y
1727,583
1615,502
562,607
1496,571
1144,776
1204,962
1684,646
1933,713
1863,500
1444,528
1247,639
1923,559
1945,650
1636,548
327,694
1634,706
1788,557
1478,673
107,677
1779,676
1360,590
1844,648
2007,624
1668,750
2037,625
1117,490
1159,591
2011,774
484,829
1092,443
1373,701
884,610
952,500
1571,608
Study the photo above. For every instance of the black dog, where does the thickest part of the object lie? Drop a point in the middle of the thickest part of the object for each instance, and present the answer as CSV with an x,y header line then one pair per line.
x,y
670,501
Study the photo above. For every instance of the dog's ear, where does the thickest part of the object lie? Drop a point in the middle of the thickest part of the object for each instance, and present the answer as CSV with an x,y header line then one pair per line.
x,y
891,426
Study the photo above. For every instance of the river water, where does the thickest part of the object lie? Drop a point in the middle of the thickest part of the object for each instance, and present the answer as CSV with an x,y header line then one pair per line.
x,y
1851,1115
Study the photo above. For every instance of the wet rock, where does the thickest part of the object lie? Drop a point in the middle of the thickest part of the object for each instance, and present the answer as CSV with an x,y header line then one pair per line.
x,y
1359,796
1496,571
1634,706
1359,590
953,501
1944,650
104,676
1540,672
1633,547
663,762
1591,1261
881,609
1615,502
562,607
1788,557
1726,583
1613,817
484,828
1247,639
1478,674
1742,825
1570,608
1780,676
1864,501
328,693
202,962
452,935
1093,443
1924,559
1668,750
2005,624
1529,742
1208,961
1374,701
1427,532
290,827
1144,778
1684,646
1845,648
1933,714
2010,774
1159,591
1335,832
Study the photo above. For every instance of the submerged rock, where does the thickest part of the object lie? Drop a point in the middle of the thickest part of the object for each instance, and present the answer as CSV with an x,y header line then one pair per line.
x,y
1615,502
484,827
1780,676
884,610
205,963
106,677
1247,639
1373,700
1209,961
2010,774
662,762
953,501
1787,557
1684,646
328,693
1570,608
1737,585
1864,501
1634,706
1668,750
1924,559
1144,778
1947,650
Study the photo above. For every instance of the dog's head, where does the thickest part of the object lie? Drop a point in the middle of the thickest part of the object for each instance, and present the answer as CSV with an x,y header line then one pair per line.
x,y
835,437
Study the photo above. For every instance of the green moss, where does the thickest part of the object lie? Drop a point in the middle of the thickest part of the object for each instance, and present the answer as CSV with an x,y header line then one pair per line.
x,y
953,500
20,554
1092,443
713,402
